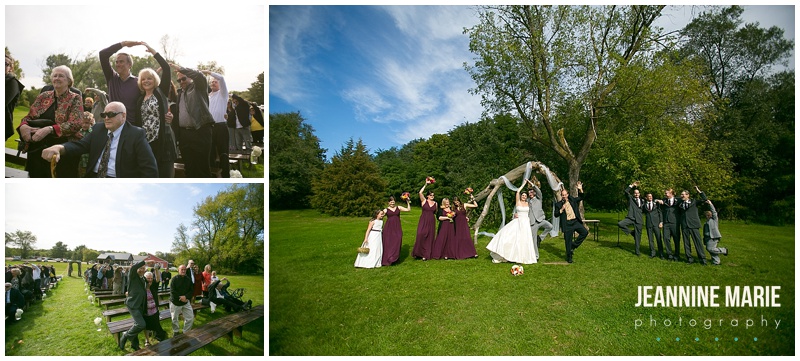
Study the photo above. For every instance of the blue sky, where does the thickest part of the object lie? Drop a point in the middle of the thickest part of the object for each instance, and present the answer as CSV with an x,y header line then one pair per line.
x,y
126,217
392,74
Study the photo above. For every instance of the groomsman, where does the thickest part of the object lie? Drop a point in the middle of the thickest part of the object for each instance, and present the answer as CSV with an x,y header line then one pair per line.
x,y
537,216
711,235
569,213
653,224
690,225
669,215
634,217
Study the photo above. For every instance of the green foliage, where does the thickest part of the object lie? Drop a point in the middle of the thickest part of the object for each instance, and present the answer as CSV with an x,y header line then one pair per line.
x,y
18,73
23,240
256,90
295,157
230,231
60,250
350,185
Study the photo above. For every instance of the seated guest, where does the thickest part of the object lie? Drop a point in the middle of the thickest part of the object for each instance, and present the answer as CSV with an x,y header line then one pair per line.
x,y
55,117
219,294
14,301
116,149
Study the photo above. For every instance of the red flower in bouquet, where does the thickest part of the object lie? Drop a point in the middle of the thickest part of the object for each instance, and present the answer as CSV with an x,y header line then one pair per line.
x,y
468,191
450,215
430,180
405,196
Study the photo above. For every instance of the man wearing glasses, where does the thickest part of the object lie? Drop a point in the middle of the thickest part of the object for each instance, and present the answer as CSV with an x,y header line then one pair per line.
x,y
116,149
194,122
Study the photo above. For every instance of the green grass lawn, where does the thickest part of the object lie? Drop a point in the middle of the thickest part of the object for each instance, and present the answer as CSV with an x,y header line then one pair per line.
x,y
321,305
63,324
254,171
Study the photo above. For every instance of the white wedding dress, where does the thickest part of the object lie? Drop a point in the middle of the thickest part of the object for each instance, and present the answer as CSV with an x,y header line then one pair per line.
x,y
375,245
514,243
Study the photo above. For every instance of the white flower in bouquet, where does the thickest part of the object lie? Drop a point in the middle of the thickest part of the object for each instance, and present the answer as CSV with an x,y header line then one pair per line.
x,y
236,174
91,299
18,315
256,152
98,321
44,295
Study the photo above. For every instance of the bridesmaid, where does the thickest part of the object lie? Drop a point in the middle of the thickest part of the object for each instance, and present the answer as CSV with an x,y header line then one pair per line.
x,y
426,229
461,246
446,231
393,232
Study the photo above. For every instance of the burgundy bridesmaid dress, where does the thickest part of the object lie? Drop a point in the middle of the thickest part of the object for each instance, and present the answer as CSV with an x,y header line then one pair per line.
x,y
392,237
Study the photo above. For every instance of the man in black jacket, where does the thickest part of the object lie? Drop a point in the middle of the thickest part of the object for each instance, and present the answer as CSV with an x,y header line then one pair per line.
x,y
569,213
181,289
136,302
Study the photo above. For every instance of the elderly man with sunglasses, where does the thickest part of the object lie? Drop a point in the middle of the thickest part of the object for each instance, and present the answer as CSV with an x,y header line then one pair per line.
x,y
195,122
116,149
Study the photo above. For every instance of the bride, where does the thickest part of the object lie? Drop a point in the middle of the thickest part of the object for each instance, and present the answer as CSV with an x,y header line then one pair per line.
x,y
514,243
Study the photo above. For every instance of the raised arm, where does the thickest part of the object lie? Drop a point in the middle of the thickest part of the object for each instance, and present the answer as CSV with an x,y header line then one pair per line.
x,y
407,207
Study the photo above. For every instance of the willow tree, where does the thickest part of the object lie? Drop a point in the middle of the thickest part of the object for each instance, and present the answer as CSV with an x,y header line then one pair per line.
x,y
533,60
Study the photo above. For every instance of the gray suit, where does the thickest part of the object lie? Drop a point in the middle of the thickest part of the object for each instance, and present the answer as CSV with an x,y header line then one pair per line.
x,y
653,213
711,236
634,218
538,219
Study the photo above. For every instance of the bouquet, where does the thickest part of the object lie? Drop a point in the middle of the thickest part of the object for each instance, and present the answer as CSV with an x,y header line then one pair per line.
x,y
450,215
430,180
468,191
517,270
405,196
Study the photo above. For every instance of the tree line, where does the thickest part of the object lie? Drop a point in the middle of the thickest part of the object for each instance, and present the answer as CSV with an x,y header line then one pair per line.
x,y
700,106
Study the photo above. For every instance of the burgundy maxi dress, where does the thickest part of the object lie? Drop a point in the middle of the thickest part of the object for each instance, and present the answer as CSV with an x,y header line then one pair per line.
x,y
392,237
426,231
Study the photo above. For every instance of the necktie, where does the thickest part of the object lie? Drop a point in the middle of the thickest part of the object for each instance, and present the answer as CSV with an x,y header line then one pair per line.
x,y
649,206
101,171
638,202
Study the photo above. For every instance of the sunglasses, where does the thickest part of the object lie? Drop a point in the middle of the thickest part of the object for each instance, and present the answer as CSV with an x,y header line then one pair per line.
x,y
181,80
110,114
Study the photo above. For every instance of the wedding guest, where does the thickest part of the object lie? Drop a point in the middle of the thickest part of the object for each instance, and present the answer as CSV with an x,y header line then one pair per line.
x,y
426,228
88,104
165,277
151,315
122,85
153,115
206,279
444,235
711,234
217,106
181,289
195,123
393,232
461,245
64,112
690,225
117,282
372,240
569,212
198,282
86,128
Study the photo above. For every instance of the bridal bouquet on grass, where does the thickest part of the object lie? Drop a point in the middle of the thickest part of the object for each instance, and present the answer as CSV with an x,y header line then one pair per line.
x,y
517,270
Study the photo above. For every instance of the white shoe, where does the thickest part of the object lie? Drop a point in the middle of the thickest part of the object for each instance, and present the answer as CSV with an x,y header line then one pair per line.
x,y
496,261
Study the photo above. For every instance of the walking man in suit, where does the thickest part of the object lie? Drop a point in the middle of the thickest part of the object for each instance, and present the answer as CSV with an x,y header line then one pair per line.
x,y
569,212
690,225
116,149
135,301
537,216
653,224
669,217
711,235
634,217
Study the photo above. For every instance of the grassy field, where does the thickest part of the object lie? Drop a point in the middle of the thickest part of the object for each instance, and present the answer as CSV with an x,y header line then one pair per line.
x,y
256,171
63,324
321,305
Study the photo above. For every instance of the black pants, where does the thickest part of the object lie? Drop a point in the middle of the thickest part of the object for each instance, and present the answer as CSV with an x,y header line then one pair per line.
x,y
195,146
229,303
219,148
653,231
636,232
572,227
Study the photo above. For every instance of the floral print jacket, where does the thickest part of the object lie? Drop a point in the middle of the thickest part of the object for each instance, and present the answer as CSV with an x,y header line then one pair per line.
x,y
69,113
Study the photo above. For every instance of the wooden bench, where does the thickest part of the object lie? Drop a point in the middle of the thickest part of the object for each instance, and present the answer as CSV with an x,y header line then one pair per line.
x,y
194,339
108,314
12,157
16,173
120,326
116,300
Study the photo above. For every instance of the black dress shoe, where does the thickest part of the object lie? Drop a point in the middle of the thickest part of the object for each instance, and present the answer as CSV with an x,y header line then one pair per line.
x,y
726,252
690,261
703,262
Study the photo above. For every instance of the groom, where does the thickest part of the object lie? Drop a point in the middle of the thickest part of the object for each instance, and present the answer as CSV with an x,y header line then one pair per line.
x,y
537,216
569,213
